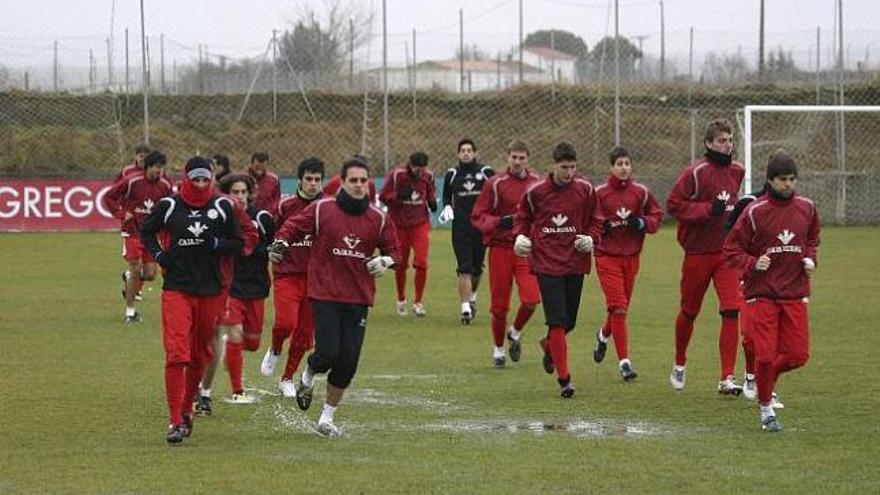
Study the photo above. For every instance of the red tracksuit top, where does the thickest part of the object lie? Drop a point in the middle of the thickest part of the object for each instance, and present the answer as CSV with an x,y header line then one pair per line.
x,y
551,216
499,197
251,238
413,211
341,245
268,191
296,256
690,202
134,193
622,201
787,231
332,187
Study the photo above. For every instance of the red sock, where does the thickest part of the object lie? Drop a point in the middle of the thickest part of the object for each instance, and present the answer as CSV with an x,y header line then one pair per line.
x,y
400,280
421,281
234,363
727,345
765,376
523,314
278,336
619,331
293,359
684,327
606,328
194,374
749,353
174,390
558,346
499,322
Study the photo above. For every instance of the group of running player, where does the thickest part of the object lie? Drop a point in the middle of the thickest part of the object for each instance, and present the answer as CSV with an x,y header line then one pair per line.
x,y
216,237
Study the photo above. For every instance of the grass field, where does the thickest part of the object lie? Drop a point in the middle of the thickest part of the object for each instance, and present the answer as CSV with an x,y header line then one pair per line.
x,y
83,407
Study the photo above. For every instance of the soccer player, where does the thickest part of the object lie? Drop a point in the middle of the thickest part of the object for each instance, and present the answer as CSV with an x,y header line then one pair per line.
x,y
140,152
335,182
703,194
630,212
775,243
461,187
197,226
346,230
136,194
293,312
409,192
268,184
242,320
493,216
558,222
114,207
222,168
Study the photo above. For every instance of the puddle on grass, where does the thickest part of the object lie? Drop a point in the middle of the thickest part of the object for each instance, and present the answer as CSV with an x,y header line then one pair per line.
x,y
407,376
581,427
373,396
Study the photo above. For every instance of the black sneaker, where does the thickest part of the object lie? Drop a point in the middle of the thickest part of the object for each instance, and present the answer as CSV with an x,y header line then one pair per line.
x,y
204,405
188,423
515,349
176,434
547,361
303,396
500,362
771,425
566,389
627,372
135,318
600,348
467,317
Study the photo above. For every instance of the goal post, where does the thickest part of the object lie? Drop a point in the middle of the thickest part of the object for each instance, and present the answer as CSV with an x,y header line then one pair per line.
x,y
820,141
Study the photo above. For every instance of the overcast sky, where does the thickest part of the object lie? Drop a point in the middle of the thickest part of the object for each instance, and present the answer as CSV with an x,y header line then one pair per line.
x,y
238,28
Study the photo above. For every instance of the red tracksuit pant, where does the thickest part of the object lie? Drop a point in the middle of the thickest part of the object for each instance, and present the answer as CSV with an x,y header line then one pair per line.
x,y
697,270
505,268
781,335
293,320
187,334
617,276
249,313
416,239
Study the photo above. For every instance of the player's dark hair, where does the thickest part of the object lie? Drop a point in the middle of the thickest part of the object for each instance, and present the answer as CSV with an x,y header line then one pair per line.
x,y
518,146
618,152
353,162
260,156
564,151
467,141
155,158
418,159
716,127
227,181
781,163
222,160
312,165
142,148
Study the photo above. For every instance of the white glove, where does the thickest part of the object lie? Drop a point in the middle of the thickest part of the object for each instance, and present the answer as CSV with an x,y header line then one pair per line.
x,y
447,214
762,264
376,266
275,257
583,243
522,246
809,267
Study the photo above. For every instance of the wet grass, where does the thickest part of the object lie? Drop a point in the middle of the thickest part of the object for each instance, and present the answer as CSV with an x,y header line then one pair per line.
x,y
83,406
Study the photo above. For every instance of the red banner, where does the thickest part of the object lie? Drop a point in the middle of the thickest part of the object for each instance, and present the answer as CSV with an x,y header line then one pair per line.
x,y
40,205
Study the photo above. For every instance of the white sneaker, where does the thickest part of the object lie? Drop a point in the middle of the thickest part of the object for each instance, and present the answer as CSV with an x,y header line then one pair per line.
x,y
328,429
401,308
728,386
677,377
776,402
241,399
419,309
288,388
267,367
750,387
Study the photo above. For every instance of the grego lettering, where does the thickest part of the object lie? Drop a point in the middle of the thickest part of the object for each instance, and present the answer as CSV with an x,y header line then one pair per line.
x,y
51,202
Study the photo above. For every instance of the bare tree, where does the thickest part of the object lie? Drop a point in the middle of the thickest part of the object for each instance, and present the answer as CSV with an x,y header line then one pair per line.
x,y
725,68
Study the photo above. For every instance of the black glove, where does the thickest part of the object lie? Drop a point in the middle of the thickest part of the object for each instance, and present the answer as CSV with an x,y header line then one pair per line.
x,y
607,227
506,222
404,193
637,223
432,205
718,207
163,258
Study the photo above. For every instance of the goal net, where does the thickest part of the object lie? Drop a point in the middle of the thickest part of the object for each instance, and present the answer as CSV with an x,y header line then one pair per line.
x,y
837,149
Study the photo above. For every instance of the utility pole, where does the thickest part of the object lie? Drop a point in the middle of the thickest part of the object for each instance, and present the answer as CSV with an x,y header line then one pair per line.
x,y
520,41
55,69
641,38
662,44
385,130
761,75
127,79
91,70
461,48
162,61
351,54
109,65
414,73
145,82
616,73
274,74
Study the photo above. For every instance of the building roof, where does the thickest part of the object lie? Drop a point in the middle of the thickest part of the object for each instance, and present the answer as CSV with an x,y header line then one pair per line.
x,y
548,53
478,66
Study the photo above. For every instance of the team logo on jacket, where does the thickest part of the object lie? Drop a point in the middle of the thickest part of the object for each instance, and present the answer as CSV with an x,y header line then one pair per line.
x,y
351,242
212,214
469,185
195,214
786,236
147,207
197,229
725,196
623,213
559,220
305,242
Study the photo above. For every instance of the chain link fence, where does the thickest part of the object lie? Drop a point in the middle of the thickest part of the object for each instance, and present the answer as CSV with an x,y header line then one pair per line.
x,y
280,100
